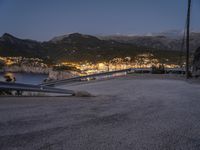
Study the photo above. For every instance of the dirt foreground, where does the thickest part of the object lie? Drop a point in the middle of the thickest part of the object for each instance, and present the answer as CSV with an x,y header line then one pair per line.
x,y
126,114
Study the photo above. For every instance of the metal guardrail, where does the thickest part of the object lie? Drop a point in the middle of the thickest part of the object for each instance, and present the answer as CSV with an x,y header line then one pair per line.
x,y
45,87
33,88
150,69
79,78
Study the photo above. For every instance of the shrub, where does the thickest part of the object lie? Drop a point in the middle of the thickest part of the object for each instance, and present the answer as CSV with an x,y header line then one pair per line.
x,y
158,70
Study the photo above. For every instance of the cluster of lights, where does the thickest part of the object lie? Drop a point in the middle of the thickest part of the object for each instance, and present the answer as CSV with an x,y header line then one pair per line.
x,y
8,61
146,60
140,61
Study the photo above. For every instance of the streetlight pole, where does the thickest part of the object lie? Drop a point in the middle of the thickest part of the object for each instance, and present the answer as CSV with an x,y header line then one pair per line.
x,y
188,40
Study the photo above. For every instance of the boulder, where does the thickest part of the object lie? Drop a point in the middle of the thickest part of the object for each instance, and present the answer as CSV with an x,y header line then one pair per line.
x,y
60,75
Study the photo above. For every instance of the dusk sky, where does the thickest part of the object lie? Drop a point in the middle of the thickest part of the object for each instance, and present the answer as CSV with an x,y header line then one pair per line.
x,y
44,19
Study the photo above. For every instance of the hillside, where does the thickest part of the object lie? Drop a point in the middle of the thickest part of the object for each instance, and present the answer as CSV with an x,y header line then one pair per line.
x,y
12,46
163,41
78,47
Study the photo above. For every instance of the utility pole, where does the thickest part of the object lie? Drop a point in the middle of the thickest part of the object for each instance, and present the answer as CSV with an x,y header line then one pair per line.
x,y
188,41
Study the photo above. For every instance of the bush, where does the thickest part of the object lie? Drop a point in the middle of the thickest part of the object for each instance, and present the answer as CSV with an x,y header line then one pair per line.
x,y
158,70
1,64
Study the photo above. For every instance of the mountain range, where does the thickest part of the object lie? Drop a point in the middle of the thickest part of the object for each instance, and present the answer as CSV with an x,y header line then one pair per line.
x,y
165,40
78,47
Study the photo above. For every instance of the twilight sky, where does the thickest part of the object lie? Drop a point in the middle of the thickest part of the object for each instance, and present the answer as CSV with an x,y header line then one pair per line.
x,y
44,19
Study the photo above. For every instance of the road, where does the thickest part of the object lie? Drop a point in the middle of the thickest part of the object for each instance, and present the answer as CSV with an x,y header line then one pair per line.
x,y
125,114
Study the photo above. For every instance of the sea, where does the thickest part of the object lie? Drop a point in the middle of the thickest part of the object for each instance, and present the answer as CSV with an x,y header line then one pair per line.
x,y
27,78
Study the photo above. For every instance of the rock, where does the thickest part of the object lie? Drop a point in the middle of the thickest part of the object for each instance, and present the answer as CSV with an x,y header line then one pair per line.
x,y
83,94
59,75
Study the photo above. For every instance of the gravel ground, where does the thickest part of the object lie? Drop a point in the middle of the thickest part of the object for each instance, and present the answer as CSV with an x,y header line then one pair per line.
x,y
125,114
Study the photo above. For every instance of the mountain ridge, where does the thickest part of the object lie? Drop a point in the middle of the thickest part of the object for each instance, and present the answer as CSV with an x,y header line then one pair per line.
x,y
158,41
77,47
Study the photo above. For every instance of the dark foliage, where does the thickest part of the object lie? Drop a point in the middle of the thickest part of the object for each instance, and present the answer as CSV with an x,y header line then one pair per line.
x,y
158,70
65,68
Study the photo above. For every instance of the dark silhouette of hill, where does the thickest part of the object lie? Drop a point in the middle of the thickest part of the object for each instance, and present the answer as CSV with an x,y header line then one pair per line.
x,y
77,47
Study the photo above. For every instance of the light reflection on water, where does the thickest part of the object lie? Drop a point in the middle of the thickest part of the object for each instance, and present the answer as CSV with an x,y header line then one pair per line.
x,y
27,78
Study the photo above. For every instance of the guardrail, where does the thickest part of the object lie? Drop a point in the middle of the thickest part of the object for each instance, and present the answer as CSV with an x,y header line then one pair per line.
x,y
33,88
79,78
44,87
